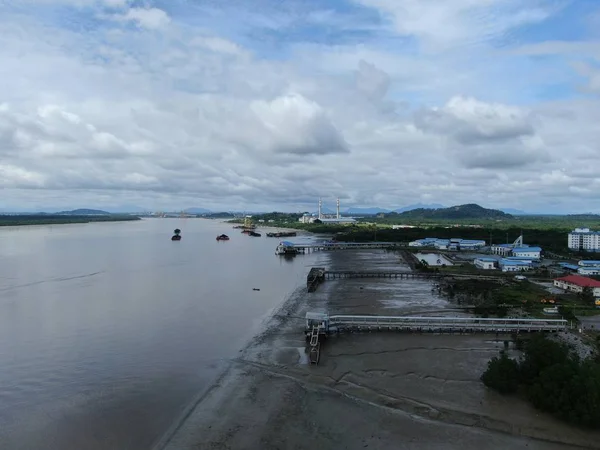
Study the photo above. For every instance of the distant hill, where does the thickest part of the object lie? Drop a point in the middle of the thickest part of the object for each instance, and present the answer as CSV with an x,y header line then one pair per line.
x,y
197,211
368,211
84,212
419,206
469,211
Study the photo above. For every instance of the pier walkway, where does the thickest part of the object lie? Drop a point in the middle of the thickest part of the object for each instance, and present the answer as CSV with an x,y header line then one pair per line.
x,y
287,247
339,323
338,274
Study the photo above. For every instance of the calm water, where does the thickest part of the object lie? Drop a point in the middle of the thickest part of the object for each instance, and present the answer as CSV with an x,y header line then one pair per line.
x,y
107,331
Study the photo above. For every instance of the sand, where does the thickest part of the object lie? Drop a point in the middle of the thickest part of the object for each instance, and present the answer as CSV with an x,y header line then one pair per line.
x,y
370,390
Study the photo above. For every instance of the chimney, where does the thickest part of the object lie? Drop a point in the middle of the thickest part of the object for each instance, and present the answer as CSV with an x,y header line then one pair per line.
x,y
320,215
338,208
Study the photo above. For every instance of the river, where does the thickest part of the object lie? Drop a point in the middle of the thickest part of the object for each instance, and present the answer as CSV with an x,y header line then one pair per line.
x,y
109,330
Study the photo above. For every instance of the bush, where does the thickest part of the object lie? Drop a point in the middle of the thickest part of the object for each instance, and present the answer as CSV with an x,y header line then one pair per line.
x,y
502,374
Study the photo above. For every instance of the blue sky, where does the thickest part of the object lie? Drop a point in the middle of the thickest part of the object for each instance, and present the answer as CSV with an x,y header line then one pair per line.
x,y
270,104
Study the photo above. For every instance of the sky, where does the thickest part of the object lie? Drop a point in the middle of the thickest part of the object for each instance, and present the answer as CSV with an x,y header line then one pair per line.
x,y
270,104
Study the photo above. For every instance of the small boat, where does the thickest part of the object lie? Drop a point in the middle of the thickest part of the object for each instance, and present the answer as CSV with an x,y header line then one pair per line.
x,y
177,235
254,234
223,237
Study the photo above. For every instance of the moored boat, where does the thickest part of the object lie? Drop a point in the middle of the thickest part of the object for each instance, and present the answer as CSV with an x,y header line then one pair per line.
x,y
222,237
282,234
254,234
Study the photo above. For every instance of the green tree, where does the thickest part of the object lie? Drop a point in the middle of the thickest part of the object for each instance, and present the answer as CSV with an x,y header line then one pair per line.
x,y
587,296
539,354
502,374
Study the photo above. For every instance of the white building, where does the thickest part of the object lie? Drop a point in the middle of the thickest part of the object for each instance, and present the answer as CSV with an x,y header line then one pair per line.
x,y
502,249
588,263
589,270
584,239
485,263
576,283
511,265
527,252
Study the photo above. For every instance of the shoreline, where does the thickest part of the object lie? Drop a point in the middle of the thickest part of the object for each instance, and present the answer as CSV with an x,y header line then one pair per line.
x,y
370,389
33,220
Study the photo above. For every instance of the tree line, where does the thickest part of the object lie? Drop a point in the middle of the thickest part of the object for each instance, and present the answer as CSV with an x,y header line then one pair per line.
x,y
553,378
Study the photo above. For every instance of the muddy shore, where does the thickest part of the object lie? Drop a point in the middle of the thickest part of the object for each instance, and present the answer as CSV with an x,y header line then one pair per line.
x,y
376,390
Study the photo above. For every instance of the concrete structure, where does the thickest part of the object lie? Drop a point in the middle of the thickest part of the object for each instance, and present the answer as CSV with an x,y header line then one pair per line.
x,y
583,239
485,263
576,283
511,265
502,249
527,252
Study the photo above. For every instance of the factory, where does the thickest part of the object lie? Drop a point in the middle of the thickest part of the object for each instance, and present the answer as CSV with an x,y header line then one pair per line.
x,y
448,244
517,249
576,283
327,218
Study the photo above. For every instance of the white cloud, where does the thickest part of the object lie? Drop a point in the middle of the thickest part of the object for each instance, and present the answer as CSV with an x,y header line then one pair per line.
x,y
150,18
275,116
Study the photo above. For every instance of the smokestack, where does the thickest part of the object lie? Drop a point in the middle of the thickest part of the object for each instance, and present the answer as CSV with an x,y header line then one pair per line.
x,y
338,208
320,216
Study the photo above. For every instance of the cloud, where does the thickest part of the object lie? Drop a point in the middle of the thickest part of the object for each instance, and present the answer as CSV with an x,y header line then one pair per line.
x,y
470,121
150,18
269,108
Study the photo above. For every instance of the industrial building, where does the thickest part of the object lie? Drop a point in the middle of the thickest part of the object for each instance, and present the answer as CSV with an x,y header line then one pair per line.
x,y
327,219
576,283
515,265
448,244
527,252
518,249
485,263
588,267
583,239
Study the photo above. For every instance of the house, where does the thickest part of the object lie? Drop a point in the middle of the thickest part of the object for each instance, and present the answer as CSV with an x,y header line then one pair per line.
x,y
576,283
485,263
512,265
527,252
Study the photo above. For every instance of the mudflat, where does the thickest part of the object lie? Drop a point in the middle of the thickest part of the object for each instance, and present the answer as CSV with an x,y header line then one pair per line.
x,y
370,390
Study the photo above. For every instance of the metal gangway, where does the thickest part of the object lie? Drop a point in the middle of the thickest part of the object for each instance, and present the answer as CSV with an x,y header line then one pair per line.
x,y
441,324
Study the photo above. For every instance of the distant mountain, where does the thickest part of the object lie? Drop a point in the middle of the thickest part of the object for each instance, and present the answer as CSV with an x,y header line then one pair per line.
x,y
514,212
197,211
419,206
84,212
123,209
369,211
469,211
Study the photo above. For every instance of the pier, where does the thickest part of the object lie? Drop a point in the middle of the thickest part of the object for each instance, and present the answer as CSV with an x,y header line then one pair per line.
x,y
339,274
287,247
339,323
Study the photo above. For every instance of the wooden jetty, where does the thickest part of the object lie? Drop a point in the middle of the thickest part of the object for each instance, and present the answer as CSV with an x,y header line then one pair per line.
x,y
339,323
